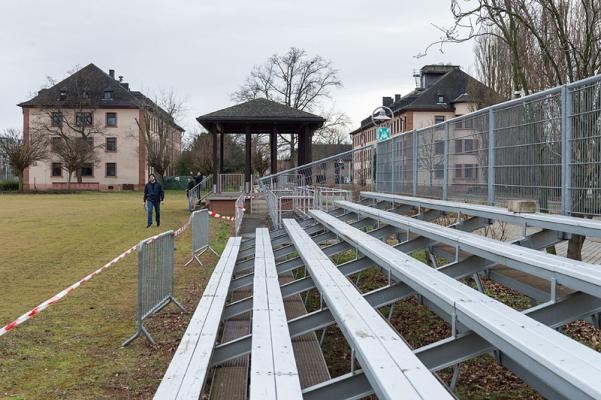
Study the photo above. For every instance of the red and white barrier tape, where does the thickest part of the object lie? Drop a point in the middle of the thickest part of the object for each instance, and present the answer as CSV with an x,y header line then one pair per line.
x,y
36,310
219,216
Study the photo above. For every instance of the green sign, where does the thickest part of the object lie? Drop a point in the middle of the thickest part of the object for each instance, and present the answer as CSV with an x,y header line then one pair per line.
x,y
383,134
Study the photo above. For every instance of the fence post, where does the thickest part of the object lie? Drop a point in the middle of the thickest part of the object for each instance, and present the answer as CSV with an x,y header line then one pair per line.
x,y
415,138
445,165
392,141
566,151
491,157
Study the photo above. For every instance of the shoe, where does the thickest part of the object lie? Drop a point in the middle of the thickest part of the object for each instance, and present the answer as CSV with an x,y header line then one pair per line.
x,y
158,225
148,226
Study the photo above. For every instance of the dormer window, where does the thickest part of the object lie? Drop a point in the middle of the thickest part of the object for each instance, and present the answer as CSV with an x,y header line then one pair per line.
x,y
440,99
108,95
62,95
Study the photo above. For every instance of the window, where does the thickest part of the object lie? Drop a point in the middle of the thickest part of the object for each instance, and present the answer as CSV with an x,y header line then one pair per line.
x,y
111,119
57,119
111,169
57,169
458,146
458,171
63,95
468,145
439,147
470,171
111,144
440,99
439,170
438,119
469,123
108,95
83,119
87,170
459,123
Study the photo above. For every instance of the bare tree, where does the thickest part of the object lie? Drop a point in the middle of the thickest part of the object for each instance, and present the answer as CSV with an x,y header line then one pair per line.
x,y
294,79
20,153
335,130
159,127
547,43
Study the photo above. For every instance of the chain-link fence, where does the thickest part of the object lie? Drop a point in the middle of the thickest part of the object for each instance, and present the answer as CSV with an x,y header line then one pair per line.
x,y
545,147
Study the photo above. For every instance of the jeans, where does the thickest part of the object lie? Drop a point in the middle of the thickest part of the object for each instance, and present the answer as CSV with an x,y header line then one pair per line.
x,y
157,211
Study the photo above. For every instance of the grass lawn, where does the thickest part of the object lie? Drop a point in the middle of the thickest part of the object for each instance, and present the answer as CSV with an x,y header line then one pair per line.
x,y
73,349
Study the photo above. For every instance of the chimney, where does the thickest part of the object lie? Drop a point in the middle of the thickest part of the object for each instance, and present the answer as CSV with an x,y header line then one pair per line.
x,y
397,98
112,73
125,85
387,101
120,78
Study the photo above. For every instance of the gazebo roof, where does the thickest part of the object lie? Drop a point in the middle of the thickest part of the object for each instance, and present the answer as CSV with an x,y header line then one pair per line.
x,y
259,114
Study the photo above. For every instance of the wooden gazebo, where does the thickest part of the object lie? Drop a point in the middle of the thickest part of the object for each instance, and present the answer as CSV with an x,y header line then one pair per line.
x,y
261,116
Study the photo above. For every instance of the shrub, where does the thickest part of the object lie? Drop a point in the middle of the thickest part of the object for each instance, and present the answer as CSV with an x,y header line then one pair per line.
x,y
9,185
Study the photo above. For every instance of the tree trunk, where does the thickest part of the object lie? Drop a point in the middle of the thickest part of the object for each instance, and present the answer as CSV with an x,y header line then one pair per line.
x,y
21,181
69,181
575,247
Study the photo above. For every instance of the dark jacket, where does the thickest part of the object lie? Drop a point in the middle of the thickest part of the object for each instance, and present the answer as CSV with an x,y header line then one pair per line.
x,y
154,192
198,179
191,185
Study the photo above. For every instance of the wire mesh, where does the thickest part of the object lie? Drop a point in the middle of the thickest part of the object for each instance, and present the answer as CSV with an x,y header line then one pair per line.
x,y
546,147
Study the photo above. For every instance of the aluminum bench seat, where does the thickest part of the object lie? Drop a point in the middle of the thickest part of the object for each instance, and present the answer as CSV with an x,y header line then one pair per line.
x,y
273,370
189,367
568,367
388,362
577,275
560,223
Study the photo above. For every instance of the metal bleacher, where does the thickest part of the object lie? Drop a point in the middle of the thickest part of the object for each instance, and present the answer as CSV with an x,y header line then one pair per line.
x,y
257,281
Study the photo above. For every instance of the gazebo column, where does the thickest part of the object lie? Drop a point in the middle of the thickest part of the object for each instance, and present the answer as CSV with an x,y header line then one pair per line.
x,y
300,148
214,137
308,144
247,168
221,152
273,147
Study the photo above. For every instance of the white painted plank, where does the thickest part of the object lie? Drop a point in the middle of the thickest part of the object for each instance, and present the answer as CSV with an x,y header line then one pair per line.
x,y
388,362
577,275
188,369
274,374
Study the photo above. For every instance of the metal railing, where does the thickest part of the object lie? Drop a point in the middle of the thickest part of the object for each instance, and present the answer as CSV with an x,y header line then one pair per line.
x,y
230,183
155,279
350,169
326,197
198,193
545,147
283,203
239,212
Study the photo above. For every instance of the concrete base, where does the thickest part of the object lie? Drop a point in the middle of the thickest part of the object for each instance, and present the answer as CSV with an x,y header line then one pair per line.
x,y
522,206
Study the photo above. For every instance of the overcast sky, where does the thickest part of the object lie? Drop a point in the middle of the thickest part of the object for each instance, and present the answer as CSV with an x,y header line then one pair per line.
x,y
203,50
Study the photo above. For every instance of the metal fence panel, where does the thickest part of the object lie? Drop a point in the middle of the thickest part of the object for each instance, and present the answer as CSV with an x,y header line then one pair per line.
x,y
200,235
467,165
544,147
584,147
528,151
430,161
155,279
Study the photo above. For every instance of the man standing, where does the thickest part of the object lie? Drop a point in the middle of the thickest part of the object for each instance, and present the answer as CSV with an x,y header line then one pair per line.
x,y
153,196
